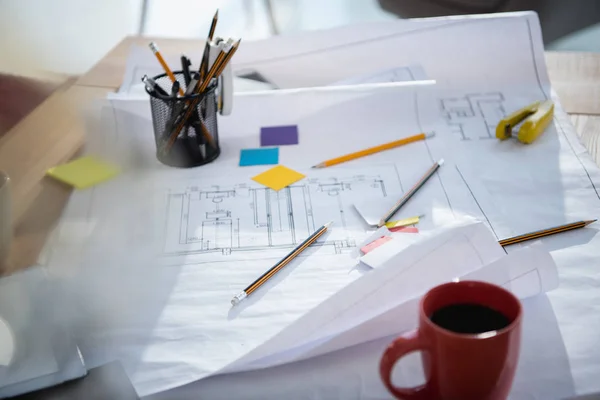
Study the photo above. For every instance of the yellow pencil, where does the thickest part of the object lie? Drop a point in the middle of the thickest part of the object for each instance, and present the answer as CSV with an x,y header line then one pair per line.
x,y
373,150
163,63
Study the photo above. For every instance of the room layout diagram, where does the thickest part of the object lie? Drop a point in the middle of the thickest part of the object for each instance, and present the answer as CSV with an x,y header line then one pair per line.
x,y
240,220
473,116
236,220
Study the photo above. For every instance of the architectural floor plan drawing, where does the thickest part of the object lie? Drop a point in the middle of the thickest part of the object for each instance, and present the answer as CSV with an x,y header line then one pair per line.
x,y
478,112
233,220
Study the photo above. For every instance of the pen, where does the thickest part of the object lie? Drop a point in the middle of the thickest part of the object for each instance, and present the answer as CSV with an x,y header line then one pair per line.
x,y
410,193
151,85
185,67
193,83
174,89
545,232
277,267
163,63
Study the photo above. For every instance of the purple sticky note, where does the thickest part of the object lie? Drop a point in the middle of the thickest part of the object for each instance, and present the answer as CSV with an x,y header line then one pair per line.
x,y
278,135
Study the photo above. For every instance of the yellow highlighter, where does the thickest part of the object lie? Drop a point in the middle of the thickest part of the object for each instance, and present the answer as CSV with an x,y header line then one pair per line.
x,y
535,117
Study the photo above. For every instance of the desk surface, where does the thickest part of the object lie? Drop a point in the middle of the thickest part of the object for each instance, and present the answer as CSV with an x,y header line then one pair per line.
x,y
54,132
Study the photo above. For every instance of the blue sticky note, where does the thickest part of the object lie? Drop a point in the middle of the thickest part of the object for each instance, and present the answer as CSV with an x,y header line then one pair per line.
x,y
264,156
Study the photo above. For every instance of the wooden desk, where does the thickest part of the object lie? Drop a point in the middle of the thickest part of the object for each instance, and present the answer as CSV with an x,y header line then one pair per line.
x,y
54,132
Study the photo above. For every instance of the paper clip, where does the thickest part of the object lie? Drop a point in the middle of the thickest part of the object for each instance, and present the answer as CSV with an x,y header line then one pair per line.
x,y
535,117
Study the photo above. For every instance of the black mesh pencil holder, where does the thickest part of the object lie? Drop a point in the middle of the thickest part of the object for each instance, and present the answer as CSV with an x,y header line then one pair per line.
x,y
197,143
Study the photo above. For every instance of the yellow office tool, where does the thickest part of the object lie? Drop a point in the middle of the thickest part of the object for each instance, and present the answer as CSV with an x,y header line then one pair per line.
x,y
535,117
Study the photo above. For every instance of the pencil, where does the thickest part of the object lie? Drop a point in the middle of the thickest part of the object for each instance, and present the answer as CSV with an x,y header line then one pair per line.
x,y
211,32
217,68
277,267
213,25
545,232
373,150
163,63
410,193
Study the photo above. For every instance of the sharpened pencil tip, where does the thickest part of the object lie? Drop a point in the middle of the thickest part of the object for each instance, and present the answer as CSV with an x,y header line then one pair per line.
x,y
216,14
591,221
327,225
318,166
429,135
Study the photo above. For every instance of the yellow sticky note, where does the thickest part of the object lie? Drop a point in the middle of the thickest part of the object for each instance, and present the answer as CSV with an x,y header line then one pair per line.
x,y
402,222
278,177
84,172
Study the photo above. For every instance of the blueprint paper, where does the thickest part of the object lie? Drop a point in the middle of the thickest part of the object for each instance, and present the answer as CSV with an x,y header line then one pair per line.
x,y
304,375
150,330
197,251
175,367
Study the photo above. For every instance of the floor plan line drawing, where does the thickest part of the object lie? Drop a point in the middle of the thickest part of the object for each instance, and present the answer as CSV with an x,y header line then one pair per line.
x,y
226,219
230,221
476,112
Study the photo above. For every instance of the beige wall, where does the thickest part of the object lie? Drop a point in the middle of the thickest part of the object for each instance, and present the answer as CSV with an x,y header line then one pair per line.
x,y
61,36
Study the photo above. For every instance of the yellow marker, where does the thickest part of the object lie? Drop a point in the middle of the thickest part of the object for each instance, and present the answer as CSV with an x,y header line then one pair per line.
x,y
403,222
535,117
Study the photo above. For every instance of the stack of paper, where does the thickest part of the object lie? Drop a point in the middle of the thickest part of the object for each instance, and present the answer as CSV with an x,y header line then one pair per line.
x,y
345,336
156,254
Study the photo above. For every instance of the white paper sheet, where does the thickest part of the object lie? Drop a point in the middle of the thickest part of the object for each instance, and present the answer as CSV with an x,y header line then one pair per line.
x,y
44,351
464,53
399,74
435,260
526,273
352,373
371,337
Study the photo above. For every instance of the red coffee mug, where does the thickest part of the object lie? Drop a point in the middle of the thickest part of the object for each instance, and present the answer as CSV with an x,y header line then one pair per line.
x,y
456,365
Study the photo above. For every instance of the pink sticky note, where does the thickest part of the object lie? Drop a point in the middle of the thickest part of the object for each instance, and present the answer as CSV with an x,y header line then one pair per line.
x,y
405,229
375,244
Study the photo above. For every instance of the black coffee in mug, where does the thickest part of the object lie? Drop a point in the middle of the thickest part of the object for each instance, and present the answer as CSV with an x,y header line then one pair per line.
x,y
469,318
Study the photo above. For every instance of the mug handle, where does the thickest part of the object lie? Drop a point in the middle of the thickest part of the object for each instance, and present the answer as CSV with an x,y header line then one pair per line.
x,y
396,350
